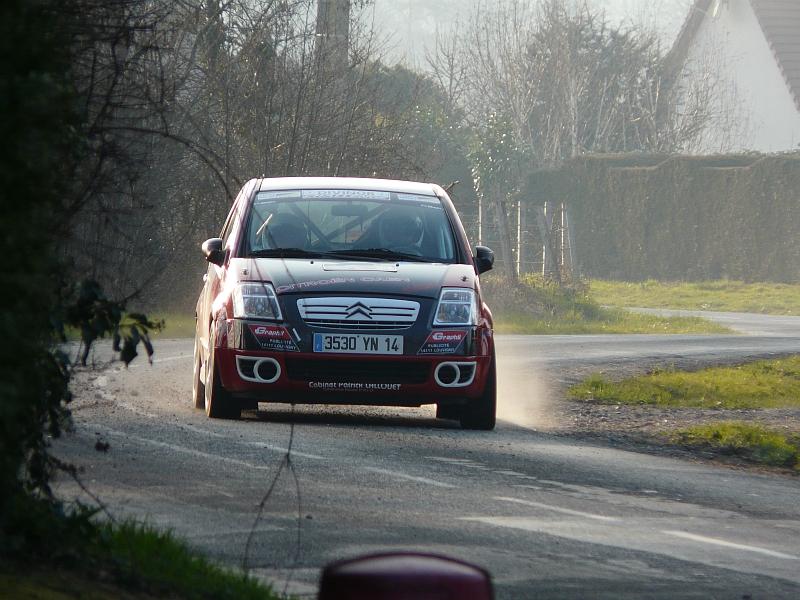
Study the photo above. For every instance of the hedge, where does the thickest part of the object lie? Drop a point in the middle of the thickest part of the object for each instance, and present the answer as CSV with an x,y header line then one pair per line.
x,y
680,218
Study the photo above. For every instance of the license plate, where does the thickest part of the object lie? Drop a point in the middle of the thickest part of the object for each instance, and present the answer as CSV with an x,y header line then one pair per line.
x,y
346,343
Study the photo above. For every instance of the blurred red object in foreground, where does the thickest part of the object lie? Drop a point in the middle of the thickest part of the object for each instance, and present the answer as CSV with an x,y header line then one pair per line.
x,y
404,576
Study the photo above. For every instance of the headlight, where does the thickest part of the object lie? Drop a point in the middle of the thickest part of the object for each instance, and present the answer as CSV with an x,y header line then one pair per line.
x,y
256,300
457,306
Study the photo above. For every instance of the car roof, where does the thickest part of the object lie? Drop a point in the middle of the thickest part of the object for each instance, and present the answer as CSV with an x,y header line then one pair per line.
x,y
350,183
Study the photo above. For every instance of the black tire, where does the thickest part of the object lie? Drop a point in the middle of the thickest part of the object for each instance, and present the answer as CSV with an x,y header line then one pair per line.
x,y
249,404
218,402
451,412
198,385
481,414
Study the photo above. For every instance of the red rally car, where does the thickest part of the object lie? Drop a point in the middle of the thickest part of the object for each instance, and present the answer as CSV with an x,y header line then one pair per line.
x,y
345,291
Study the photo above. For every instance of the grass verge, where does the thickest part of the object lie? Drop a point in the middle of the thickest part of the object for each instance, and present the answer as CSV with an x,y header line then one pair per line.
x,y
722,295
77,558
760,384
753,443
536,306
608,321
142,553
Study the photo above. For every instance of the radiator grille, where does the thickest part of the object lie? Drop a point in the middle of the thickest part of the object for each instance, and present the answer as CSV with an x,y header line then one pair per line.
x,y
358,313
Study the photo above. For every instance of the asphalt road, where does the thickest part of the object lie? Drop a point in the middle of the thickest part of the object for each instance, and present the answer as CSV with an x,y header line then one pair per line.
x,y
549,517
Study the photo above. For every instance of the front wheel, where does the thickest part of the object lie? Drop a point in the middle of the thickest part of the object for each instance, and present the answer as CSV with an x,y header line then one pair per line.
x,y
198,384
218,402
481,414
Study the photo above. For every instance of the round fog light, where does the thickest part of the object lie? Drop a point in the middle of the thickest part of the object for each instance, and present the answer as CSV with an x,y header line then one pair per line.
x,y
448,374
267,370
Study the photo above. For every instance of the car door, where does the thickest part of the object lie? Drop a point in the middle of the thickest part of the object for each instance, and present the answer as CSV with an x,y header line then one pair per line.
x,y
215,274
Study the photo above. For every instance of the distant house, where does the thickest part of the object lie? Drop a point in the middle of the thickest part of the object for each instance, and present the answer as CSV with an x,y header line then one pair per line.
x,y
747,53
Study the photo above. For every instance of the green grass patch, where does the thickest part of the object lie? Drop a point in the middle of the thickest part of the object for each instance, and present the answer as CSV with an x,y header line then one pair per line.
x,y
761,384
144,554
536,306
722,295
752,442
609,321
73,553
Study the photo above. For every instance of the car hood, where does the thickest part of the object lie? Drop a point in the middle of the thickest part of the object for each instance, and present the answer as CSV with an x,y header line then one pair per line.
x,y
296,276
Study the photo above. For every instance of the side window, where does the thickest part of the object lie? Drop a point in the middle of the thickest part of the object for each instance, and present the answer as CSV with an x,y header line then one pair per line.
x,y
228,228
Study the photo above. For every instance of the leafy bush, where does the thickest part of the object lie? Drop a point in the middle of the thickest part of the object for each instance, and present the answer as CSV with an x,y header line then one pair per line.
x,y
40,126
39,131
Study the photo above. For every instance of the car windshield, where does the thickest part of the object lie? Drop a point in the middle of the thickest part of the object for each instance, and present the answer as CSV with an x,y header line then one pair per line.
x,y
350,224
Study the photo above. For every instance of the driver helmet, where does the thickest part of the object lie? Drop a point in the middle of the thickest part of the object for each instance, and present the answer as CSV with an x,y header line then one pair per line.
x,y
400,227
285,231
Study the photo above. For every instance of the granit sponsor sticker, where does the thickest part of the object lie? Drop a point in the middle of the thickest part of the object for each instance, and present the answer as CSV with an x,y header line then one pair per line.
x,y
273,338
443,342
346,386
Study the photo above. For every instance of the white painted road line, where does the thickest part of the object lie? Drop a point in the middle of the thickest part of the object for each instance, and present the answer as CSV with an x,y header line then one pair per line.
x,y
158,361
176,448
260,445
716,542
131,408
404,476
171,358
281,450
558,509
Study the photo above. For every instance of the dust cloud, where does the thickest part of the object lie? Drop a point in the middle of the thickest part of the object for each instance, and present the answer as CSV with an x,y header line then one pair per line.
x,y
523,396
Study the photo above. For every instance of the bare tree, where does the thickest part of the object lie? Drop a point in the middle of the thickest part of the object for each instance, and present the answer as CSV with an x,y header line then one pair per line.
x,y
186,100
446,62
567,83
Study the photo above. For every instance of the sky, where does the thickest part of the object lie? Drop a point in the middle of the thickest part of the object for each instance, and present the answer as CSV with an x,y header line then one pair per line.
x,y
408,24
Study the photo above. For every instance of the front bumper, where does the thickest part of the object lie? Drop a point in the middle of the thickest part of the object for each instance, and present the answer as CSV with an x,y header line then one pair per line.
x,y
290,372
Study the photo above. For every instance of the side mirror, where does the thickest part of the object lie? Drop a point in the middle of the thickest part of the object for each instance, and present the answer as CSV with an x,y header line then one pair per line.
x,y
212,250
484,259
404,576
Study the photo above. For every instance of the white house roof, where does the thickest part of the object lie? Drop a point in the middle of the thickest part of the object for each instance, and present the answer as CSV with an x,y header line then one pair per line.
x,y
680,49
780,22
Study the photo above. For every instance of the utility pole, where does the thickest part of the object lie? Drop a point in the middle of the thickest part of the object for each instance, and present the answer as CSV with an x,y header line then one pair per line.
x,y
333,34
